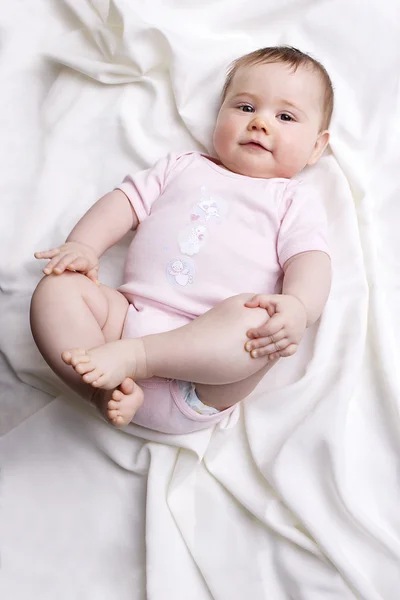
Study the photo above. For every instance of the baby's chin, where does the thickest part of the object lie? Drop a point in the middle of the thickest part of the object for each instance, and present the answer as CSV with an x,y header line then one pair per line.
x,y
253,170
253,164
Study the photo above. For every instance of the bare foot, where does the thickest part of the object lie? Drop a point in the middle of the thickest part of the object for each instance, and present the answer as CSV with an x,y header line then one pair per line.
x,y
120,406
108,365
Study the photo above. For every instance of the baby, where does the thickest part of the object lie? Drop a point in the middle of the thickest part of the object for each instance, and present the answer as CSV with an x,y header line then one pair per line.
x,y
228,267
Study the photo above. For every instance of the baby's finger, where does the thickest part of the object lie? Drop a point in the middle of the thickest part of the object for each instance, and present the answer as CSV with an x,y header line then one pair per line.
x,y
255,344
253,302
265,341
79,264
93,275
260,352
271,327
272,348
275,324
269,307
261,300
289,351
47,253
64,262
277,347
49,268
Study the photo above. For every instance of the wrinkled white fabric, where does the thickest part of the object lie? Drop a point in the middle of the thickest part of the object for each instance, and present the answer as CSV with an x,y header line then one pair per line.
x,y
297,496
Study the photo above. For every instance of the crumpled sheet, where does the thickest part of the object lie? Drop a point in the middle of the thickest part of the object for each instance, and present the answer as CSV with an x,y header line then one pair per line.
x,y
296,495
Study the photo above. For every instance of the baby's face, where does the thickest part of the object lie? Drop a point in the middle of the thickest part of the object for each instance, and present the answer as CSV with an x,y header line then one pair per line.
x,y
269,124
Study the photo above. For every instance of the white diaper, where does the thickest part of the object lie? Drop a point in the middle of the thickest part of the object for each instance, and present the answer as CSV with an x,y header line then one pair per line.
x,y
188,391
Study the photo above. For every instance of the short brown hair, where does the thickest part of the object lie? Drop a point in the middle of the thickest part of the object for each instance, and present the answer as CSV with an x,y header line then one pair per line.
x,y
293,57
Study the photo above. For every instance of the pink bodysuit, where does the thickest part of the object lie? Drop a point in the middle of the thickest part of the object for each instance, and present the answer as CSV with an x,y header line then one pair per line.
x,y
205,234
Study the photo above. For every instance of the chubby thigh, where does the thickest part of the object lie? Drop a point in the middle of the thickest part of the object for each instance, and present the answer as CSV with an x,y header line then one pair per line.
x,y
70,311
117,310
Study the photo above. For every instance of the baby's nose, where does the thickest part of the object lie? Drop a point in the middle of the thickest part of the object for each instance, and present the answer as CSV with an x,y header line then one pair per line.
x,y
258,124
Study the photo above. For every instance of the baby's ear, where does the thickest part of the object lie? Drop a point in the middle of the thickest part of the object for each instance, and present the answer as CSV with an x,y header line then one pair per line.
x,y
320,145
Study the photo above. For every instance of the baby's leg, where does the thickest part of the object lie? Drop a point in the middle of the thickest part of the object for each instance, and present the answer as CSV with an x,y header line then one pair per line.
x,y
70,310
224,396
209,349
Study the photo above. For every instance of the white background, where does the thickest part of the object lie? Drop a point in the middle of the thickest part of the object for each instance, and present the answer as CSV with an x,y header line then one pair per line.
x,y
297,494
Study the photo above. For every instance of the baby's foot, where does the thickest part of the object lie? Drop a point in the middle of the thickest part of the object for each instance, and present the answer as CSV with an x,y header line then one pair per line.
x,y
107,366
120,406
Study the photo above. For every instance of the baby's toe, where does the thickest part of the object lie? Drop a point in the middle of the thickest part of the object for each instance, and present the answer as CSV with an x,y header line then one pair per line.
x,y
79,359
112,414
127,386
83,367
101,380
112,405
117,395
69,356
66,356
92,377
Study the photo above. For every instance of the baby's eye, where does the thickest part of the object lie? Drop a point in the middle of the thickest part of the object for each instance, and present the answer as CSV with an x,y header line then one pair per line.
x,y
246,108
285,117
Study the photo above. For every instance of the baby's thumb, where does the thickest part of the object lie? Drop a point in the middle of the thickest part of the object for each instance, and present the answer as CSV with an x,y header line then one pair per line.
x,y
93,275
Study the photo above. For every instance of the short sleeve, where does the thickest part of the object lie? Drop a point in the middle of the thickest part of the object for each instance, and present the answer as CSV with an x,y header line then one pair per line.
x,y
303,226
144,187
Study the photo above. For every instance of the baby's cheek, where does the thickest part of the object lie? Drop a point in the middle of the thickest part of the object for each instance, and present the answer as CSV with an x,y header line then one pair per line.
x,y
224,132
292,156
286,163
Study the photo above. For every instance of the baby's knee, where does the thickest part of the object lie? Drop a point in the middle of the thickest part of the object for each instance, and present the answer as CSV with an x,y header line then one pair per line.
x,y
51,286
247,317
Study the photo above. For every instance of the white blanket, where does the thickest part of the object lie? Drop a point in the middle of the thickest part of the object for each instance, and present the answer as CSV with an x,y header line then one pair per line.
x,y
297,495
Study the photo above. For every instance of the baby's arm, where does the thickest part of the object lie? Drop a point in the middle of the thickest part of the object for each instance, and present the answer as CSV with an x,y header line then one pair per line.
x,y
104,224
305,289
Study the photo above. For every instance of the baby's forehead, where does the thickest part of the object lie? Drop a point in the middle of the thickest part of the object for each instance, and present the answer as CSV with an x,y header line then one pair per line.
x,y
275,75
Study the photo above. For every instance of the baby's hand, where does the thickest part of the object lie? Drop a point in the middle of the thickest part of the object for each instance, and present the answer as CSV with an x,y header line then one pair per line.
x,y
71,256
281,334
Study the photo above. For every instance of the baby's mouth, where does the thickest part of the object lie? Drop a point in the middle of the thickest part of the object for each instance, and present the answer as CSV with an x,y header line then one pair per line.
x,y
255,145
